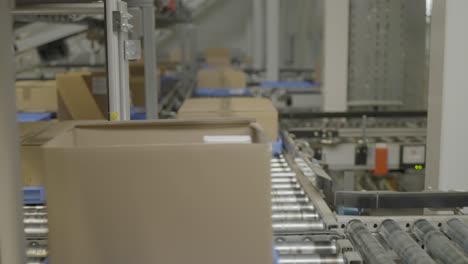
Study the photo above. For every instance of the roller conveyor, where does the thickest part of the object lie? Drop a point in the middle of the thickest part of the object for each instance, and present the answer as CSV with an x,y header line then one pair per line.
x,y
403,244
438,244
319,247
283,174
36,251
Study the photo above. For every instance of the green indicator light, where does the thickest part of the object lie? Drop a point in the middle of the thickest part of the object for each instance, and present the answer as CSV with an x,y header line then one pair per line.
x,y
418,167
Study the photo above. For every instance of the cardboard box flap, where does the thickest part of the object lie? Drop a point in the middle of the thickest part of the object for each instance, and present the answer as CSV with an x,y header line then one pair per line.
x,y
28,129
227,105
47,133
175,132
72,86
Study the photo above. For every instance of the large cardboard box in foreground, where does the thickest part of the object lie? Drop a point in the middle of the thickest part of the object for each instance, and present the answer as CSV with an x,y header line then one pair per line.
x,y
36,96
261,109
159,192
33,136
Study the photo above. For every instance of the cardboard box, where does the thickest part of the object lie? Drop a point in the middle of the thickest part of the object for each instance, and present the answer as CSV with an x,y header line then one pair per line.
x,y
36,96
33,136
218,57
261,109
83,95
221,78
159,192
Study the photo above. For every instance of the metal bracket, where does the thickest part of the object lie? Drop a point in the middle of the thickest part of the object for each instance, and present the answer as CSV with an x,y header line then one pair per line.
x,y
120,21
132,50
117,20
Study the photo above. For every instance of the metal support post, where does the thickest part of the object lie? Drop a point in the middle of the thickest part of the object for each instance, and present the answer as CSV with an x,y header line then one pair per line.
x,y
117,26
112,46
272,39
149,45
258,34
447,126
335,48
12,250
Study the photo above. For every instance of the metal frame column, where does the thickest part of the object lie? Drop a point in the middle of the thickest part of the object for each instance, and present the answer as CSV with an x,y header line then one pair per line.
x,y
335,48
149,45
272,39
12,238
447,122
258,36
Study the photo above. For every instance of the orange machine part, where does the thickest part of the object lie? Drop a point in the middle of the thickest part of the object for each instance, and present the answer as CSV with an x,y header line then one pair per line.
x,y
381,160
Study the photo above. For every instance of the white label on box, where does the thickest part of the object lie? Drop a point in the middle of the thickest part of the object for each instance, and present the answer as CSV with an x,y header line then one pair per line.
x,y
228,139
414,154
99,85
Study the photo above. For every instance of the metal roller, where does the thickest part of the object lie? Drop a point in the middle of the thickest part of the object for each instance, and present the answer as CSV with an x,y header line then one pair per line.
x,y
311,259
285,186
299,192
279,165
37,251
35,220
280,169
438,244
36,230
35,261
292,207
409,251
283,174
283,180
277,160
458,232
35,214
295,216
319,247
289,199
368,245
297,227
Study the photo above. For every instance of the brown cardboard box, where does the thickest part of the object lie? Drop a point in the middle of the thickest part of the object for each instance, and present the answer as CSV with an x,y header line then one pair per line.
x,y
83,95
157,192
218,57
221,78
33,136
36,96
261,109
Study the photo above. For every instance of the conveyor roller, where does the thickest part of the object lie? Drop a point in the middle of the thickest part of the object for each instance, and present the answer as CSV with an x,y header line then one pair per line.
x,y
297,227
287,207
289,199
299,192
295,216
283,180
319,247
277,186
458,232
438,244
403,244
310,259
368,245
283,174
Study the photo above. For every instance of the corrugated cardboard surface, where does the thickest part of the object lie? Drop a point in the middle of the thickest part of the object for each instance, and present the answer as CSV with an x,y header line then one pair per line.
x,y
259,108
76,98
33,136
221,78
36,96
218,56
155,193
